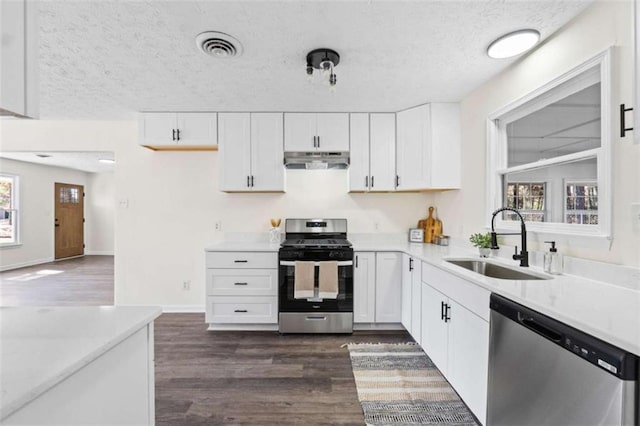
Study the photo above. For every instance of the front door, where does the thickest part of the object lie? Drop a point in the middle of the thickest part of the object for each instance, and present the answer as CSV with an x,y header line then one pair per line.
x,y
69,220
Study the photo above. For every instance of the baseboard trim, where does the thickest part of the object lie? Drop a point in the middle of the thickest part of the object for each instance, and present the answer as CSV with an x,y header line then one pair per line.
x,y
182,309
378,326
242,327
98,253
25,264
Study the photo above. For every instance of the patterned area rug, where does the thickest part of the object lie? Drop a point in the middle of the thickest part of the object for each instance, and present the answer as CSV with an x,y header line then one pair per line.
x,y
399,385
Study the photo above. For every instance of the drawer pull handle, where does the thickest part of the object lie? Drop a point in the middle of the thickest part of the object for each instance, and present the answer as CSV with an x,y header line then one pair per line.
x,y
240,310
240,283
240,261
316,318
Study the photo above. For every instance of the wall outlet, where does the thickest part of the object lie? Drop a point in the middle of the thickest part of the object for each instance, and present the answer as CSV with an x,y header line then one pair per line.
x,y
123,203
635,217
376,226
218,225
186,285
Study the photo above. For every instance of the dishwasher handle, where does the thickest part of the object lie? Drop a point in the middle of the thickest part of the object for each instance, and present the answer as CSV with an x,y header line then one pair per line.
x,y
541,329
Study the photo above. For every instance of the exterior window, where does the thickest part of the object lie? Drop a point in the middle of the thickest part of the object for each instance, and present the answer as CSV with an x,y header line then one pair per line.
x,y
550,154
527,198
69,195
8,209
581,204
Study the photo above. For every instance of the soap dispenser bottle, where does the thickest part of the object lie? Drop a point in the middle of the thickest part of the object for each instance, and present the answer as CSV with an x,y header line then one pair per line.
x,y
553,260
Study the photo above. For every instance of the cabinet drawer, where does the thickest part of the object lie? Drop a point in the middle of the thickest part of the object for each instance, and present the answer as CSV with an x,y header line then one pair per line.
x,y
471,296
242,309
242,282
242,260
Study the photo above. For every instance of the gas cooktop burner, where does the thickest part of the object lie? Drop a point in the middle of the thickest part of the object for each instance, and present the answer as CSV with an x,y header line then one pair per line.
x,y
320,243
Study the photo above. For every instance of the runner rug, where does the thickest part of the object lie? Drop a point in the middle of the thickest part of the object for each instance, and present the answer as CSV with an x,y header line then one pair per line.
x,y
399,385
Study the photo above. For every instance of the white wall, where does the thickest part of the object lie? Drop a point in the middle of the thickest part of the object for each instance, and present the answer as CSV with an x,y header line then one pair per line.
x,y
167,204
603,24
100,210
36,195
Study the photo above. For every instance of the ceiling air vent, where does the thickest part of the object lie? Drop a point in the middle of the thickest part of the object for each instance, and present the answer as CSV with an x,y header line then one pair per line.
x,y
219,45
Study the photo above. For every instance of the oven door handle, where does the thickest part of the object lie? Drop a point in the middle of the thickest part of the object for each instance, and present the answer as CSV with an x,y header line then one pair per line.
x,y
316,318
292,263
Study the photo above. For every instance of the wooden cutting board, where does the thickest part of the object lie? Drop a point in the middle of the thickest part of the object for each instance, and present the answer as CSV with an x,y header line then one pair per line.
x,y
437,227
429,227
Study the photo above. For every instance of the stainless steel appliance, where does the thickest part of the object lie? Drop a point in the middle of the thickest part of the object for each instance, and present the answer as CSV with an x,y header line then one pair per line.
x,y
315,240
543,372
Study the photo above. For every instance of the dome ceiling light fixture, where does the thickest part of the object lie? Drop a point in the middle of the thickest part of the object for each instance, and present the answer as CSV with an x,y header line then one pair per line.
x,y
513,44
324,60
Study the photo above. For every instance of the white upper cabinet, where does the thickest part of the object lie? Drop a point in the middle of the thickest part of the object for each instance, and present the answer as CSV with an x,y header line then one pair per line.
x,y
325,132
428,147
383,152
251,152
19,59
267,167
234,160
178,130
359,155
373,152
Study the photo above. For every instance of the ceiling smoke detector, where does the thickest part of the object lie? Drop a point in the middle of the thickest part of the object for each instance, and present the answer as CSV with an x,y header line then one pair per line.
x,y
219,45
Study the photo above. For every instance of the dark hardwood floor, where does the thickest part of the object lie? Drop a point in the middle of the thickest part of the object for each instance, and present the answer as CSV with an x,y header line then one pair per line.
x,y
258,378
216,378
84,280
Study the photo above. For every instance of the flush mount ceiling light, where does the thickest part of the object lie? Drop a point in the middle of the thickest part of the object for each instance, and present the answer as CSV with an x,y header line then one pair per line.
x,y
106,160
219,45
324,60
513,44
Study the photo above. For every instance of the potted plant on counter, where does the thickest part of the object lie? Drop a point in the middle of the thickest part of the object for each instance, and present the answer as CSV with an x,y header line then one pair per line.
x,y
483,242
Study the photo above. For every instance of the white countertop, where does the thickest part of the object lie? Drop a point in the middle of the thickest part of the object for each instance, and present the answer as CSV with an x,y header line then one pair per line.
x,y
243,246
607,311
41,346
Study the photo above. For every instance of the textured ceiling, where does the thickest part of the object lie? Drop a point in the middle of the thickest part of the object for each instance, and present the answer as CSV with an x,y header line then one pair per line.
x,y
83,161
109,59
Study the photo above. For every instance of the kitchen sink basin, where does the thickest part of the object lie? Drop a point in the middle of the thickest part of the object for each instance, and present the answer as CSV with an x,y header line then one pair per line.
x,y
492,270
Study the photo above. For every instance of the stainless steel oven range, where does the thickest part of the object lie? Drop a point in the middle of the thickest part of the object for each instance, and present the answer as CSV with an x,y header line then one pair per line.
x,y
315,277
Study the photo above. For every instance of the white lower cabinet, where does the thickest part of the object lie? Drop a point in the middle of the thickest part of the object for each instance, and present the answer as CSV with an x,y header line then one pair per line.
x,y
364,287
242,288
455,337
411,309
388,287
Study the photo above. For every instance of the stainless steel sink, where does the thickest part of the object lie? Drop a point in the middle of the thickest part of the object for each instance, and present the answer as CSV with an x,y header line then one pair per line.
x,y
492,270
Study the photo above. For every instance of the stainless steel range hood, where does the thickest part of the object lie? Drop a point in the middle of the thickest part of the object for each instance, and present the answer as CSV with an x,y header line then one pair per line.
x,y
316,160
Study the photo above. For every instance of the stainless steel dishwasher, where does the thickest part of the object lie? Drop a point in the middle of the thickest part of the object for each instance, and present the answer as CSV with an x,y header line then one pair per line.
x,y
543,372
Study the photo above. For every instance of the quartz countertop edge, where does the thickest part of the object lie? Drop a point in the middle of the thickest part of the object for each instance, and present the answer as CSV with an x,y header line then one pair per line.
x,y
9,404
606,311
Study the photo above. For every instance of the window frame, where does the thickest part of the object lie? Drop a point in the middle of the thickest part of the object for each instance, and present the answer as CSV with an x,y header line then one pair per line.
x,y
570,82
15,196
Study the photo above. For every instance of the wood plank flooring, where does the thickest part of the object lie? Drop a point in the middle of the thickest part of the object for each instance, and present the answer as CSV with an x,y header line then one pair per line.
x,y
258,378
84,280
216,378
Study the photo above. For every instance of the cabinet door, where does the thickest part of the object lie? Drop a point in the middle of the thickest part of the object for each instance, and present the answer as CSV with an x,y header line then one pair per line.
x,y
267,168
12,56
359,155
468,358
416,301
383,152
388,287
412,148
333,132
407,273
300,132
434,329
235,151
157,128
364,287
198,128
445,145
